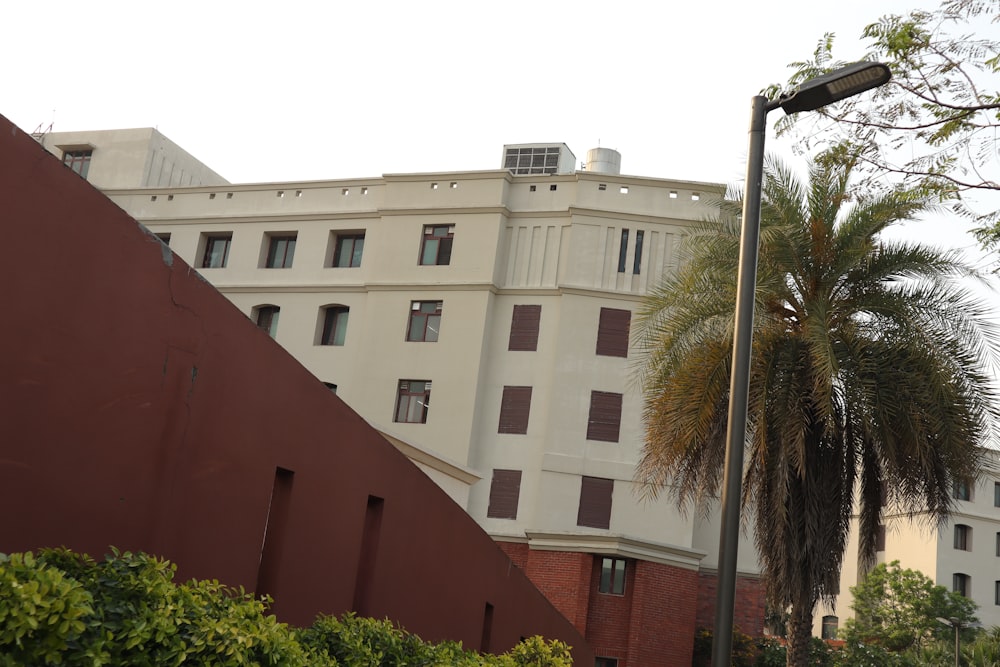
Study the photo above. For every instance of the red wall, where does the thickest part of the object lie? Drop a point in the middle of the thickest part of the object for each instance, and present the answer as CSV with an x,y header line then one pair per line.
x,y
748,616
141,409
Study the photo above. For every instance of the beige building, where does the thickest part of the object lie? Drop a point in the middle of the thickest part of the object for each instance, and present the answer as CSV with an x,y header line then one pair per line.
x,y
962,555
480,320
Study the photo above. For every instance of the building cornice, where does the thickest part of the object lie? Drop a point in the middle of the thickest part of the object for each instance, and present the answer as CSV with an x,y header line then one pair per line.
x,y
616,545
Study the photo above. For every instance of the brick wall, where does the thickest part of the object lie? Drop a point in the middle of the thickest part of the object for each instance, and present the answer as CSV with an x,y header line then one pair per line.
x,y
517,552
609,615
748,615
663,615
564,578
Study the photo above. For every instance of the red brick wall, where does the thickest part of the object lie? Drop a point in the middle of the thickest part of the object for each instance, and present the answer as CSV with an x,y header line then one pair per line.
x,y
663,615
748,615
564,578
517,552
609,616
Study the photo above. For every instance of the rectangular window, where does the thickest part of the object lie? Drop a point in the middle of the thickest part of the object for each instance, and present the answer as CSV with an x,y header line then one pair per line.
x,y
622,251
436,246
78,161
605,662
637,261
334,325
612,576
996,494
216,251
504,492
998,544
996,592
280,252
524,329
963,537
514,409
412,401
612,332
605,417
595,502
347,250
425,321
962,489
829,627
961,583
164,237
267,319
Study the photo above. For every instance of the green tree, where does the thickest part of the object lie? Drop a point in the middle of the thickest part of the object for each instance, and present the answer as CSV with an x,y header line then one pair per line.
x,y
898,609
934,126
867,378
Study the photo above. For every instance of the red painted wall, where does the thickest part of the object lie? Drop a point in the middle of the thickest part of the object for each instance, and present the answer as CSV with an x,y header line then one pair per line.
x,y
141,409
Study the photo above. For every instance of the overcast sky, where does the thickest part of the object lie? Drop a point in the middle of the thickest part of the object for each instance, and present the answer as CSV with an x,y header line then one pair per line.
x,y
308,90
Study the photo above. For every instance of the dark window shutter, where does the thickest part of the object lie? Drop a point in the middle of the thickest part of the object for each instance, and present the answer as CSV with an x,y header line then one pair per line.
x,y
524,328
612,332
595,502
514,409
504,492
605,416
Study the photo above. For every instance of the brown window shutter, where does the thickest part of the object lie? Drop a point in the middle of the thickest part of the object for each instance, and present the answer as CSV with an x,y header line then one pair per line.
x,y
612,332
504,492
524,328
514,409
595,502
605,417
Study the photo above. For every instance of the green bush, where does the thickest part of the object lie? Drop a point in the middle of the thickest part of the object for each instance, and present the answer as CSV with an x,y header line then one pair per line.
x,y
63,608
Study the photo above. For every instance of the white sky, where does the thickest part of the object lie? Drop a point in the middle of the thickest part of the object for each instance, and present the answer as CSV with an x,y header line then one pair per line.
x,y
309,89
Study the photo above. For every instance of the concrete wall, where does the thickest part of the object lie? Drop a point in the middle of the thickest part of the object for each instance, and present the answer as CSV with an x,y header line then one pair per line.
x,y
143,410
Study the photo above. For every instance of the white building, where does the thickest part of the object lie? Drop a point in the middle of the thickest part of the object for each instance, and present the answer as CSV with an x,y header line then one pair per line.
x,y
480,320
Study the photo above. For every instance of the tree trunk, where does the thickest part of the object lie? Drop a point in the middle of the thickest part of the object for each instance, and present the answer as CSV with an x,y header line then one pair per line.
x,y
800,623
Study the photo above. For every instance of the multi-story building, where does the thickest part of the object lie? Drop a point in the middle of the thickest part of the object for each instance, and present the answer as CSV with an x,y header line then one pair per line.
x,y
481,320
962,554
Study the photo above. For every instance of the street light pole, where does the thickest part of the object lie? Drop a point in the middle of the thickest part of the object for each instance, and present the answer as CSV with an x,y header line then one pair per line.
x,y
813,94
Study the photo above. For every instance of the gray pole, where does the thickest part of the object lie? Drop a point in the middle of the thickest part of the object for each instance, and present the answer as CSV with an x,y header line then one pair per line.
x,y
957,626
722,640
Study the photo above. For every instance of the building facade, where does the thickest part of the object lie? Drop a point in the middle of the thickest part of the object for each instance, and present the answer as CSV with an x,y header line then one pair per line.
x,y
483,318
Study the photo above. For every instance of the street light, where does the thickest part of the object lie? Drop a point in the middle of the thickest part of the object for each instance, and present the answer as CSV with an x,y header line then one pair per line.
x,y
813,94
958,625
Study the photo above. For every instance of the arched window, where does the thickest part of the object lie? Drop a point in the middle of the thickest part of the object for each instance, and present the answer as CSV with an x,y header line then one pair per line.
x,y
961,583
333,324
266,317
829,630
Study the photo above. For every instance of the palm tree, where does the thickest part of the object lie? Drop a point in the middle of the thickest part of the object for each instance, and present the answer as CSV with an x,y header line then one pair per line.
x,y
869,378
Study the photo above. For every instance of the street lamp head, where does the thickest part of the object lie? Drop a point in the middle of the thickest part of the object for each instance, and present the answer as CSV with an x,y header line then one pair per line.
x,y
834,86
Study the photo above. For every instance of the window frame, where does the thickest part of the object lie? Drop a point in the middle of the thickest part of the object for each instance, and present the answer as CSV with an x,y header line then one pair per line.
x,y
78,160
962,489
825,626
332,315
961,583
211,239
613,328
356,255
962,537
601,426
427,317
525,323
623,250
266,316
505,493
444,244
287,253
409,395
596,502
515,410
614,585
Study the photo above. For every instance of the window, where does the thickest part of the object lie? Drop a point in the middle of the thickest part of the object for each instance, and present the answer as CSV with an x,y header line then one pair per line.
x,y
998,544
996,494
425,321
436,247
334,325
637,261
961,583
514,409
962,489
996,592
266,318
595,502
504,491
216,251
612,332
829,627
605,662
280,252
880,538
533,160
612,576
78,161
622,251
347,250
412,401
524,329
963,537
164,237
605,416
331,386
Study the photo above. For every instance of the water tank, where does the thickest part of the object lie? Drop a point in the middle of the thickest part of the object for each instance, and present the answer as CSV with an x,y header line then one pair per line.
x,y
604,161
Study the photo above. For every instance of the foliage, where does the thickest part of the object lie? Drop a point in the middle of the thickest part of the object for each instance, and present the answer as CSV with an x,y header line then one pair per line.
x,y
772,653
898,608
744,649
62,608
868,373
934,125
